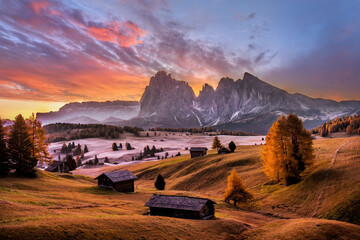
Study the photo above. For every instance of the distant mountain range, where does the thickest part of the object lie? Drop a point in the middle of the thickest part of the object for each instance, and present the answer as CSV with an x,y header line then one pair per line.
x,y
247,104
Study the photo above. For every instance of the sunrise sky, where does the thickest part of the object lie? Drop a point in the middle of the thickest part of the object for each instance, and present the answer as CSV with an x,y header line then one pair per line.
x,y
53,52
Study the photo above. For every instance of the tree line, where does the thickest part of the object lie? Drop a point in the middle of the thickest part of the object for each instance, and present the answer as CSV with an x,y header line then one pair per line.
x,y
22,146
348,124
58,132
203,130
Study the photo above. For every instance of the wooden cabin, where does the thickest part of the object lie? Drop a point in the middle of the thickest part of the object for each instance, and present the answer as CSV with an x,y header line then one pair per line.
x,y
121,181
58,166
198,151
181,207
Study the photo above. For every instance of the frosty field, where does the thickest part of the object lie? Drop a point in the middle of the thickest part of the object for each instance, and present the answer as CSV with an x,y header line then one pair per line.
x,y
170,142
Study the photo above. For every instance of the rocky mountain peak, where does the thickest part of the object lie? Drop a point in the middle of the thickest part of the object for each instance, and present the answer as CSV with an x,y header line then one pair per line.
x,y
225,81
207,89
166,96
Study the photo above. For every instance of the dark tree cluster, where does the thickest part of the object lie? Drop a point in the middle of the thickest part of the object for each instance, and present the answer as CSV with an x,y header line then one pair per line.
x,y
22,147
67,131
134,130
183,130
350,125
149,152
75,150
211,130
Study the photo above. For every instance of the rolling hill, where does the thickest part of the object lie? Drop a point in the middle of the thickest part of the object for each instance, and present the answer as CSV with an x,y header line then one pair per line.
x,y
72,206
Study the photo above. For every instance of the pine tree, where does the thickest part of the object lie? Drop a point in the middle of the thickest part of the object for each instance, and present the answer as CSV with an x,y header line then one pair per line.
x,y
236,190
120,145
64,148
86,150
232,146
78,161
128,146
21,148
96,160
288,150
160,182
216,143
39,145
4,158
70,161
106,160
114,147
77,151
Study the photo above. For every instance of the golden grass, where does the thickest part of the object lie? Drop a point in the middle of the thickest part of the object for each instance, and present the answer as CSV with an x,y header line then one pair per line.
x,y
307,229
62,206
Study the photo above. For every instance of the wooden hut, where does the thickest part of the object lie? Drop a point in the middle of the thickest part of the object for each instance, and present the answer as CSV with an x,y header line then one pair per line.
x,y
121,181
181,207
198,151
58,166
224,150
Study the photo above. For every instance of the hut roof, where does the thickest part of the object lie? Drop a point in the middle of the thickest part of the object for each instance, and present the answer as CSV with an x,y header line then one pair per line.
x,y
53,166
119,176
177,202
198,149
224,150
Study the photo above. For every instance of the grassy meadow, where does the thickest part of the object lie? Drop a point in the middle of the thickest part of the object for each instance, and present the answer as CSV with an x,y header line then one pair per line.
x,y
60,206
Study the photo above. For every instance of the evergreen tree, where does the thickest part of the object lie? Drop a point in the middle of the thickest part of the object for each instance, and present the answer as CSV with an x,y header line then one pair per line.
x,y
232,146
236,190
21,148
64,148
77,151
4,158
96,160
288,150
216,143
120,145
78,161
70,161
106,160
86,150
160,182
128,146
69,147
114,147
72,145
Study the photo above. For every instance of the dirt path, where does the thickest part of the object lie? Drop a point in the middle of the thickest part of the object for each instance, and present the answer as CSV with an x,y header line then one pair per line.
x,y
322,192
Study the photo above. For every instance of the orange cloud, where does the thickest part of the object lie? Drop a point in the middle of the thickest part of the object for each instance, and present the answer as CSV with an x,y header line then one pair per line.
x,y
42,6
125,34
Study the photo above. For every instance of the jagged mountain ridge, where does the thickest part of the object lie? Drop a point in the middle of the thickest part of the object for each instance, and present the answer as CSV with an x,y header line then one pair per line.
x,y
247,104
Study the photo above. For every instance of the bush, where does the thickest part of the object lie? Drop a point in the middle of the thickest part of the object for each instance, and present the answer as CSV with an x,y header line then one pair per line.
x,y
232,146
160,182
114,147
